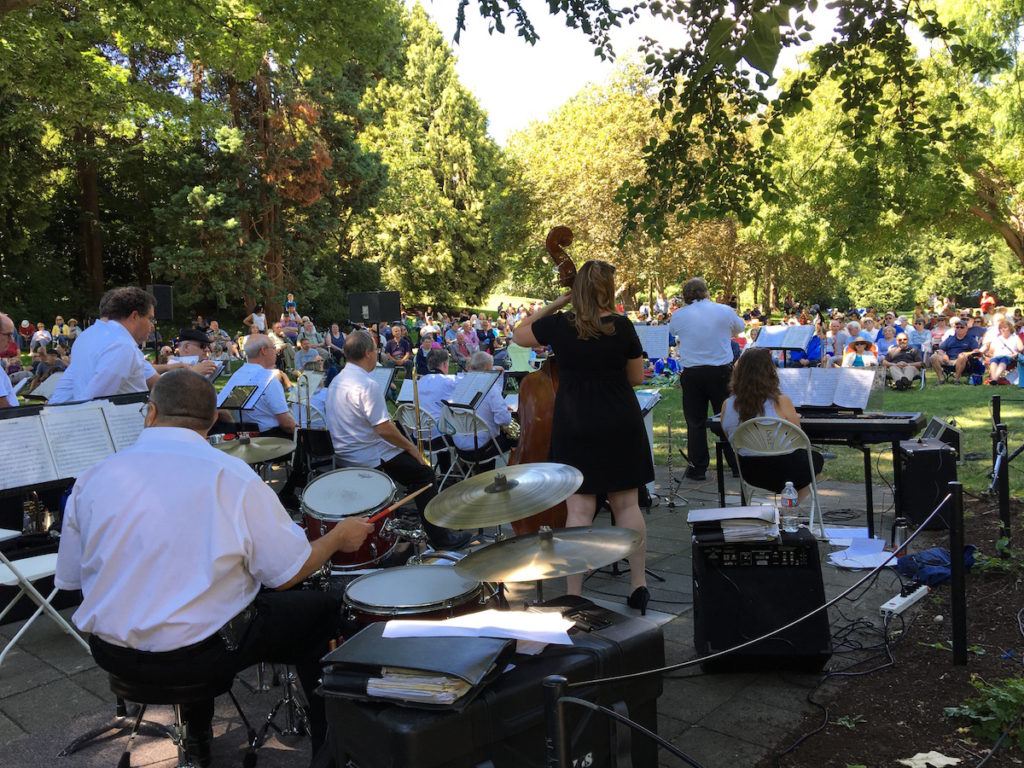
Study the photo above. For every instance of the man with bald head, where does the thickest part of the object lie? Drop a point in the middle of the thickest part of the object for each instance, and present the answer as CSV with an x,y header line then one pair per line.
x,y
171,580
7,397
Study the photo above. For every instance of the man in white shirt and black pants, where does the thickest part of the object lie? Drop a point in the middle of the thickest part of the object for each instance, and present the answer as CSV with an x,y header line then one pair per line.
x,y
172,579
705,331
365,436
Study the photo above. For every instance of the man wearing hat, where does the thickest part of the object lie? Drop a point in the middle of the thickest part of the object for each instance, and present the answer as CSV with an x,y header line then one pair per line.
x,y
959,350
193,345
25,331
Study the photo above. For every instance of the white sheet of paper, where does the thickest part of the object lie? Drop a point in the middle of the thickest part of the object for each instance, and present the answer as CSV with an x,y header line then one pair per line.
x,y
821,386
32,462
516,625
841,537
853,388
78,436
793,382
125,423
469,385
653,339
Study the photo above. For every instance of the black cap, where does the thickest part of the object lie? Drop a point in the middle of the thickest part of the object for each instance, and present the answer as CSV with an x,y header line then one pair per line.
x,y
191,334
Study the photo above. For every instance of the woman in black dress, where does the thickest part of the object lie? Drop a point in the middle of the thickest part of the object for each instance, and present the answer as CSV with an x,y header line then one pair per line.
x,y
597,424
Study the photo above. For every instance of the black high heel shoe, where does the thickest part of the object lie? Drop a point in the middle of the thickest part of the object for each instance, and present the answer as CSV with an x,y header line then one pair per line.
x,y
639,599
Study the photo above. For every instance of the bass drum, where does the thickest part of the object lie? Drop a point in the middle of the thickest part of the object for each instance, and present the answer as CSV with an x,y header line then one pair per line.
x,y
342,493
413,592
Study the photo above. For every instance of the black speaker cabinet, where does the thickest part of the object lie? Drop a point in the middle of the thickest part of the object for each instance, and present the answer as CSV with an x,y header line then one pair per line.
x,y
927,467
742,590
374,307
164,301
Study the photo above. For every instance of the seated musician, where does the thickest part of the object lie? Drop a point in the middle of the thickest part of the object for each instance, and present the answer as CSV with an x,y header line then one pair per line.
x,y
755,392
7,397
495,413
435,387
270,413
185,586
364,435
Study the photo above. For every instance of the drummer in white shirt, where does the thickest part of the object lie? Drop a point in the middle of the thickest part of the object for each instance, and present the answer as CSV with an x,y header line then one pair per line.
x,y
171,580
493,410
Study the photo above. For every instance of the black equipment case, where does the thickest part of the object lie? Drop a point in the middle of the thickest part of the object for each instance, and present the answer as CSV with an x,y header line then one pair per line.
x,y
504,726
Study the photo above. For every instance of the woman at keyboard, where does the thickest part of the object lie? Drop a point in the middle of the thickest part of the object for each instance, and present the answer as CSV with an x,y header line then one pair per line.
x,y
755,392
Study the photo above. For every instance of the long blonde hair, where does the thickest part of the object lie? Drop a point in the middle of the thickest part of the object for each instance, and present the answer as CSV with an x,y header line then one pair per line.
x,y
593,292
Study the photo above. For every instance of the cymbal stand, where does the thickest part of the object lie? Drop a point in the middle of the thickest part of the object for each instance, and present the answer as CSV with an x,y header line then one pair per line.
x,y
296,720
672,500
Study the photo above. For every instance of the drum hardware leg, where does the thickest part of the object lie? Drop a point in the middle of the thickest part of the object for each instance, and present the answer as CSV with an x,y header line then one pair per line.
x,y
540,590
262,683
122,722
296,721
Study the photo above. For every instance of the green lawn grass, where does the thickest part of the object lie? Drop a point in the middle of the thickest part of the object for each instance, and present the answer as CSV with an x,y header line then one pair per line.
x,y
969,406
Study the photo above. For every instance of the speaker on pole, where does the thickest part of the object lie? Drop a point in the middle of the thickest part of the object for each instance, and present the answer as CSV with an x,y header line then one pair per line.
x,y
164,295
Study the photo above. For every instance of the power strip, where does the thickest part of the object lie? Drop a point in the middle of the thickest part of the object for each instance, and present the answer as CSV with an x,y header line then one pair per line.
x,y
898,604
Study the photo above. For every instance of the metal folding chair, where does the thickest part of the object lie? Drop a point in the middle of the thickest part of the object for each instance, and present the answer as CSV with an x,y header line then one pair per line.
x,y
466,421
22,575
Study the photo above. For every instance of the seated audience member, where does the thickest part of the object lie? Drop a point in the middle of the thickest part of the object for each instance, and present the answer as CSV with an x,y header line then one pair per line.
x,y
163,355
798,358
427,344
870,329
495,414
836,342
755,388
860,354
41,338
920,338
1000,353
335,341
25,331
317,341
289,327
307,358
61,331
283,348
958,353
466,343
364,435
220,354
398,351
890,321
902,362
221,538
886,341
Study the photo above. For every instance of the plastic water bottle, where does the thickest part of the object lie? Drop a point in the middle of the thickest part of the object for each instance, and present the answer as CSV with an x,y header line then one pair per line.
x,y
790,509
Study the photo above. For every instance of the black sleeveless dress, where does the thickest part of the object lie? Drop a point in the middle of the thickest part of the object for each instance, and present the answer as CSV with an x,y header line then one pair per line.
x,y
597,424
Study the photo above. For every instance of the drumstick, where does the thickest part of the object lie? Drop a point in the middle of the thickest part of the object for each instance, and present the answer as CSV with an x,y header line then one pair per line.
x,y
388,510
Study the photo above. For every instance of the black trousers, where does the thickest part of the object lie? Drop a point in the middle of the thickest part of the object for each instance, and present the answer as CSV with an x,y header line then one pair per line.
x,y
703,385
291,627
413,474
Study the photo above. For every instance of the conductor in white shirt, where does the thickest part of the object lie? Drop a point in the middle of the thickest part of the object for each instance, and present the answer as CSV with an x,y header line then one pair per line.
x,y
705,330
365,436
172,579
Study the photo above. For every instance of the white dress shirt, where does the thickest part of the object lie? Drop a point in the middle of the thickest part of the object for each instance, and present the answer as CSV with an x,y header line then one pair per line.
x,y
493,410
7,389
433,388
705,330
163,565
105,360
355,405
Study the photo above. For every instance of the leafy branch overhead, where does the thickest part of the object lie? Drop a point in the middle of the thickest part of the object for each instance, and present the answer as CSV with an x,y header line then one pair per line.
x,y
725,105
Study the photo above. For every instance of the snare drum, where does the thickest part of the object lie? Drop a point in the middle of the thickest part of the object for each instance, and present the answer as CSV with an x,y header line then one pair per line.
x,y
414,591
342,493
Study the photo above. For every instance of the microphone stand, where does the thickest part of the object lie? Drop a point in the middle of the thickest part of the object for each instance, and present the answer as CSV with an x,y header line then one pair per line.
x,y
671,497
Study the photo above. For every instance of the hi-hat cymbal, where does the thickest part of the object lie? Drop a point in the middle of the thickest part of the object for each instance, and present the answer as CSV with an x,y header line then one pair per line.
x,y
503,495
549,553
255,450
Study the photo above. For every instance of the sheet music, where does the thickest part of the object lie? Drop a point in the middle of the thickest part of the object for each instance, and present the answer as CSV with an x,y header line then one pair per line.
x,y
78,437
247,375
125,423
468,385
383,376
853,388
784,337
793,382
45,390
31,463
821,386
405,394
654,340
647,398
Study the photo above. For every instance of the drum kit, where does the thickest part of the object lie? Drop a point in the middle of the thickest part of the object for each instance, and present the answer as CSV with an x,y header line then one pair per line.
x,y
473,580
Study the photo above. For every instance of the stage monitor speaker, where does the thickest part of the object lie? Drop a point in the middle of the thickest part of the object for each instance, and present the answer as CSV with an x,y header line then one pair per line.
x,y
374,306
947,433
927,467
164,301
742,590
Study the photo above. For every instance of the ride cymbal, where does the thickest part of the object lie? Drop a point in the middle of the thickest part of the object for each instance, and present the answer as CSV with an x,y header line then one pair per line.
x,y
549,553
503,495
256,450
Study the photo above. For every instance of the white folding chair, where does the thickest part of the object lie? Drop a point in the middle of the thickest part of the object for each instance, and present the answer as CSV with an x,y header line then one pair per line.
x,y
770,436
405,415
467,422
31,569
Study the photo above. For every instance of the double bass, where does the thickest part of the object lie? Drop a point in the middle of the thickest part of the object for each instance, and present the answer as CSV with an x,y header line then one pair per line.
x,y
537,397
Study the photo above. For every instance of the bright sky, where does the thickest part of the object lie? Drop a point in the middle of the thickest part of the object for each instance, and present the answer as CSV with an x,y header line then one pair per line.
x,y
517,83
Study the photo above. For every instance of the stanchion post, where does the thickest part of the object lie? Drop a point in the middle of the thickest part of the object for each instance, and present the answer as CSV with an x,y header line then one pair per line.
x,y
997,417
556,737
1003,485
957,590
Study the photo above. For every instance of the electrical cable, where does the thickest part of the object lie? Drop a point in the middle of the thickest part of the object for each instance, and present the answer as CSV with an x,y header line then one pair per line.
x,y
663,743
825,606
997,745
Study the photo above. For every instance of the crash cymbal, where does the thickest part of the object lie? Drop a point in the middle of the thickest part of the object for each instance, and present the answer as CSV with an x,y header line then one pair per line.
x,y
503,495
255,450
549,553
